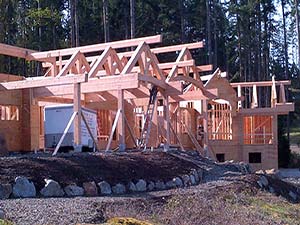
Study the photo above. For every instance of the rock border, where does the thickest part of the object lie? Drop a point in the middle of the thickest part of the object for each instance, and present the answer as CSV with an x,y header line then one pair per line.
x,y
91,189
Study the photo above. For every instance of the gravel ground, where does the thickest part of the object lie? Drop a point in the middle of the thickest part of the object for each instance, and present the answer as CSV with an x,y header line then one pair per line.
x,y
216,179
63,211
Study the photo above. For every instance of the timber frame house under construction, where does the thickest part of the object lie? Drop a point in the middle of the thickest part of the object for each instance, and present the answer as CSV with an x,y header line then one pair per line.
x,y
189,111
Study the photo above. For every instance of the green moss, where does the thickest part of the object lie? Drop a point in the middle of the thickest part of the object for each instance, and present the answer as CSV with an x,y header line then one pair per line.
x,y
286,212
5,222
126,221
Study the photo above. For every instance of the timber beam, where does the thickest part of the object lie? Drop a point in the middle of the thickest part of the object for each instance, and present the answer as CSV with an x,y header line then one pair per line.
x,y
189,96
18,52
260,83
97,47
167,49
43,82
107,83
279,109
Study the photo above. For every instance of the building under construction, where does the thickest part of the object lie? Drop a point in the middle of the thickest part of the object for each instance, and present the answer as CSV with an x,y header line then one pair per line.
x,y
143,103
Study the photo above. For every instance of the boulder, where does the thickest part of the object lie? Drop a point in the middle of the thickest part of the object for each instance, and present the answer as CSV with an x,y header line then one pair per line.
x,y
3,147
52,189
192,179
141,185
186,180
90,189
178,182
264,181
23,188
171,184
244,168
119,189
272,190
293,196
260,184
160,185
5,191
2,215
150,186
74,190
195,174
131,187
200,174
105,188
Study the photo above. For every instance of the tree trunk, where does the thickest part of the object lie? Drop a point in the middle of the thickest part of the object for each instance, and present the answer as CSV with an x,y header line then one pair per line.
x,y
298,30
72,22
182,20
38,69
132,19
285,65
105,21
208,31
125,22
76,25
215,35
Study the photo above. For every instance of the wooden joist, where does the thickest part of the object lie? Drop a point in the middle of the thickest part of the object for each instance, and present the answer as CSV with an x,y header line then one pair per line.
x,y
97,47
160,50
43,82
279,109
167,49
260,83
15,51
108,83
208,77
4,77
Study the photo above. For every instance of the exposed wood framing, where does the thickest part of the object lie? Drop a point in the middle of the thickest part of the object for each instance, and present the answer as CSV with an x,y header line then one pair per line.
x,y
77,120
209,111
43,82
97,47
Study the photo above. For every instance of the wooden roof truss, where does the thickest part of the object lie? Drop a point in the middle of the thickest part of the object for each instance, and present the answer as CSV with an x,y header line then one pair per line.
x,y
105,74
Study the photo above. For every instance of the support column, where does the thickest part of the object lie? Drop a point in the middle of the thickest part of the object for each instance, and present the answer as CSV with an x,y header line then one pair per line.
x,y
274,152
121,122
77,120
166,121
205,127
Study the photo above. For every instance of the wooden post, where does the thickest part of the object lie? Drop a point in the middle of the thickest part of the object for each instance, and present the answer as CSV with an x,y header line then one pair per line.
x,y
205,127
254,103
275,130
239,95
282,98
273,93
121,122
166,121
113,128
77,121
3,114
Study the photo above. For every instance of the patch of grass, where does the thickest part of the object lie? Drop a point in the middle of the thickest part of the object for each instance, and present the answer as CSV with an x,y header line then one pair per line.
x,y
5,222
286,212
126,221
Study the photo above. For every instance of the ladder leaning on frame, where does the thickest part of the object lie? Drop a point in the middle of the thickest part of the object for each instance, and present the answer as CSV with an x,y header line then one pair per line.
x,y
145,134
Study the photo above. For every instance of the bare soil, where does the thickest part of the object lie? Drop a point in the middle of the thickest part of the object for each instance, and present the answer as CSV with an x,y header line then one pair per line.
x,y
82,167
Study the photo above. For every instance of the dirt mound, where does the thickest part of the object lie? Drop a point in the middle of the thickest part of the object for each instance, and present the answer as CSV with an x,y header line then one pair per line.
x,y
83,167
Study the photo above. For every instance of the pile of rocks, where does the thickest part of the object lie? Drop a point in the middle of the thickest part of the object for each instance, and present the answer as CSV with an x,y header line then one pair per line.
x,y
272,184
23,188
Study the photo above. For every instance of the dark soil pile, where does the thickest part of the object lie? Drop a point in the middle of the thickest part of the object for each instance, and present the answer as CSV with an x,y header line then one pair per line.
x,y
82,167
